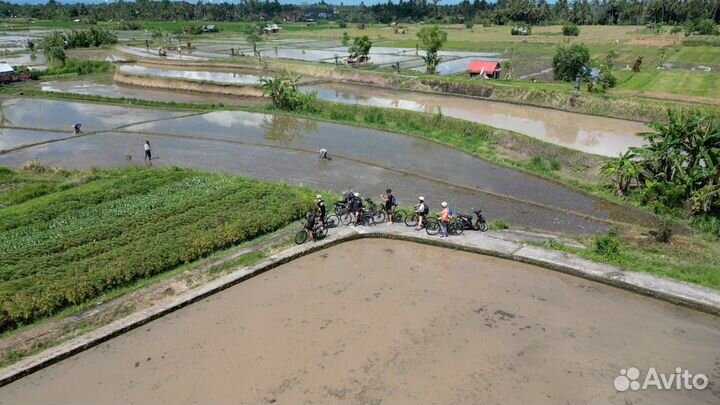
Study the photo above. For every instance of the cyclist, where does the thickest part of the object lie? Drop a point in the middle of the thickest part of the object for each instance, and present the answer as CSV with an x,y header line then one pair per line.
x,y
76,128
310,224
444,219
356,207
320,205
421,209
390,204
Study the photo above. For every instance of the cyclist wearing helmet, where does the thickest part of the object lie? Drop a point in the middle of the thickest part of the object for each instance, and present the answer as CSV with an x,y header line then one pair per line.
x,y
356,207
320,205
444,219
421,209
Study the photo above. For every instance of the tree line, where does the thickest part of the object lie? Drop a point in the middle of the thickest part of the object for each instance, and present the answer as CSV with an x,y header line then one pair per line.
x,y
604,12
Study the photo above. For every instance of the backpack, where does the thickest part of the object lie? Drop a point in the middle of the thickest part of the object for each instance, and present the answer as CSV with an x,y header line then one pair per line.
x,y
393,201
427,209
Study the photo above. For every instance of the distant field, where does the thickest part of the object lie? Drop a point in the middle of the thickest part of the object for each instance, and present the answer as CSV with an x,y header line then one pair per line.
x,y
67,237
678,82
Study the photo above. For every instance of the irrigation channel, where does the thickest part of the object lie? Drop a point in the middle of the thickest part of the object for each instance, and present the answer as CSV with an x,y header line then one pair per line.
x,y
283,148
381,321
587,133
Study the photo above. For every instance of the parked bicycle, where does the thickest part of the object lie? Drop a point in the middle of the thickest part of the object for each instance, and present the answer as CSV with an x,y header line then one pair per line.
x,y
376,211
366,218
432,227
319,232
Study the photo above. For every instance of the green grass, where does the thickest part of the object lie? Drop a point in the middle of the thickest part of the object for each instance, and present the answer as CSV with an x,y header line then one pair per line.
x,y
67,237
680,82
692,259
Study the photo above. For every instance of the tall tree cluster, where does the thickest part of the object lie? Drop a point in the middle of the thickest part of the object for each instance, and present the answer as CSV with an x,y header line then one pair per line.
x,y
606,12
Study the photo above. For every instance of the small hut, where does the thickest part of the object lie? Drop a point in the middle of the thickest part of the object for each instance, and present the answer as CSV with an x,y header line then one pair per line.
x,y
484,68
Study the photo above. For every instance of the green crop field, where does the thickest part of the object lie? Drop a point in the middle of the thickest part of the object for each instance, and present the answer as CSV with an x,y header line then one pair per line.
x,y
67,237
678,82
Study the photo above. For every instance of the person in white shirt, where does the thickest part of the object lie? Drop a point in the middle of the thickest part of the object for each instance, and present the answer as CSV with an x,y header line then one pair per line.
x,y
148,151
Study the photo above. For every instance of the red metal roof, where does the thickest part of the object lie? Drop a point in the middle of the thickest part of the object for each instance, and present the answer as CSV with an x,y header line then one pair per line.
x,y
488,67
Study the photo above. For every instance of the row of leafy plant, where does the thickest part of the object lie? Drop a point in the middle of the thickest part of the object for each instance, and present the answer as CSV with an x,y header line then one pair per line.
x,y
677,171
57,42
67,247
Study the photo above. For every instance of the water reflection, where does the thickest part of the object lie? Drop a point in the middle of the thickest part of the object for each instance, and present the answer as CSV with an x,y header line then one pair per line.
x,y
221,77
287,130
592,134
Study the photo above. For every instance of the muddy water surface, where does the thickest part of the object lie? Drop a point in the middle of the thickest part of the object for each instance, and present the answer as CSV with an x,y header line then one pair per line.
x,y
220,77
393,322
591,134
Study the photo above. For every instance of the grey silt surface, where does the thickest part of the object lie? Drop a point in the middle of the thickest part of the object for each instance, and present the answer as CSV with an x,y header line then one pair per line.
x,y
379,321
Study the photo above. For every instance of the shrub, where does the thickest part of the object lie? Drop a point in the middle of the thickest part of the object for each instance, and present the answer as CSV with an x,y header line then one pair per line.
x,y
570,30
498,225
570,61
607,246
341,24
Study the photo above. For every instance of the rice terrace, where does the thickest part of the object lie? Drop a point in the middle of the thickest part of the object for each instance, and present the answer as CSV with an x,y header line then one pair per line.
x,y
510,201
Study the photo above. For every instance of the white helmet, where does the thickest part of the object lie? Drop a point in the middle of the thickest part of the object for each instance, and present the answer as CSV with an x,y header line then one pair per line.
x,y
319,197
421,198
444,204
357,194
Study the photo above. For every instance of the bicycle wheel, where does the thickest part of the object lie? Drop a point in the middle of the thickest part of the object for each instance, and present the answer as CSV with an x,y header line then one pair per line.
x,y
411,220
483,226
456,228
321,233
301,237
432,227
332,221
398,217
346,218
378,217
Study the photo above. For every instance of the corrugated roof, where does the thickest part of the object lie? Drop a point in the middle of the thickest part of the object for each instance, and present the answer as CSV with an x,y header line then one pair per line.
x,y
5,68
484,66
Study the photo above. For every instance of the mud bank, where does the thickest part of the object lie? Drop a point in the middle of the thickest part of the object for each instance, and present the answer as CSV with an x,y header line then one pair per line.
x,y
155,82
406,323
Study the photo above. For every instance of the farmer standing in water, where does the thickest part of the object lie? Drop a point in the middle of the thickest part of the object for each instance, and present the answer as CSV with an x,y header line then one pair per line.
x,y
148,151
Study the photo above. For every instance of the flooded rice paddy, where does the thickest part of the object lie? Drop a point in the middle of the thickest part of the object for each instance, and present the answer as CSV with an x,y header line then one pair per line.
x,y
379,321
282,148
587,133
219,77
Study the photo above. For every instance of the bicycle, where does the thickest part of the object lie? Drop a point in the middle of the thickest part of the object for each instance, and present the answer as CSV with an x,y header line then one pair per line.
x,y
398,216
377,212
432,226
319,232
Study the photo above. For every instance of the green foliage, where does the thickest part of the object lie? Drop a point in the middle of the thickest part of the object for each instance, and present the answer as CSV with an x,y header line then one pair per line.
x,y
498,225
605,80
76,240
79,66
539,165
345,39
677,167
701,27
285,95
192,29
360,47
342,24
92,37
432,39
570,61
607,246
570,30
